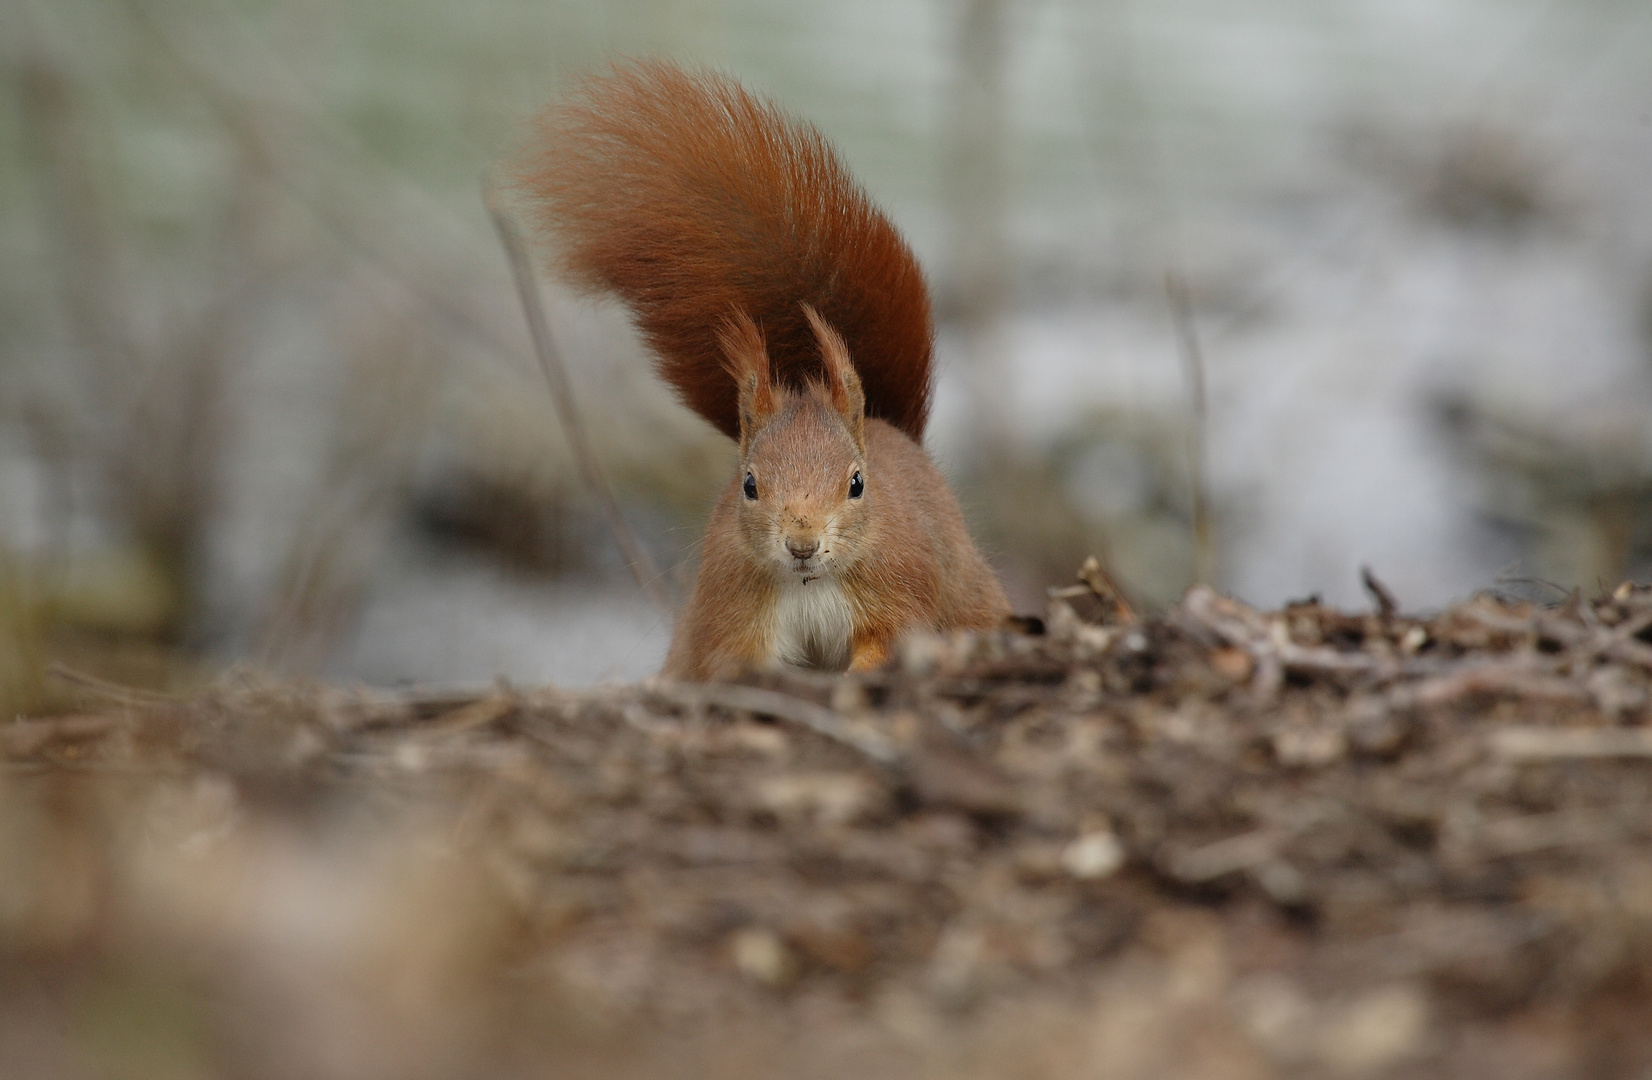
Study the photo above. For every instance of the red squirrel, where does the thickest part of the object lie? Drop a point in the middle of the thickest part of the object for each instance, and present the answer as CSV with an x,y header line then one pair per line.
x,y
785,309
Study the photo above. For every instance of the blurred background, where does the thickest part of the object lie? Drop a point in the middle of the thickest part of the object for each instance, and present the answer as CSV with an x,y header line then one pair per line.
x,y
1375,279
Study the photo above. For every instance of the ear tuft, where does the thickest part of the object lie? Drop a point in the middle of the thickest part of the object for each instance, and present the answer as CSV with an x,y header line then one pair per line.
x,y
841,380
747,359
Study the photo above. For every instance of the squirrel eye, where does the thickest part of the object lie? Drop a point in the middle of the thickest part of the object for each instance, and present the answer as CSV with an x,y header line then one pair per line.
x,y
857,485
750,487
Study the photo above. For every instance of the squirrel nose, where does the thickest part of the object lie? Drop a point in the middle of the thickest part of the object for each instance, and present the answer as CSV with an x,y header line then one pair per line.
x,y
802,549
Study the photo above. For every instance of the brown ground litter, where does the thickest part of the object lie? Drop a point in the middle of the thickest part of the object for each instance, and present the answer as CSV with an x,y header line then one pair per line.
x,y
1221,843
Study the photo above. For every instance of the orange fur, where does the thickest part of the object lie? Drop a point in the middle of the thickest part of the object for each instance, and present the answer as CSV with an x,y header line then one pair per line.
x,y
908,563
689,198
787,311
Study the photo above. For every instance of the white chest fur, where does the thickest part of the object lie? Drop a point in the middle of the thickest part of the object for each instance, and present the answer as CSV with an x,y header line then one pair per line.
x,y
812,625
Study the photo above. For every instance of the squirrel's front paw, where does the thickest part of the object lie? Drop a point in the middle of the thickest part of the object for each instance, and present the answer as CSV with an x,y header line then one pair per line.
x,y
866,655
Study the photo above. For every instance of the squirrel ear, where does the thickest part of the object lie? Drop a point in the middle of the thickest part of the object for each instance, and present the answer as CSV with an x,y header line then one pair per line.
x,y
747,359
847,397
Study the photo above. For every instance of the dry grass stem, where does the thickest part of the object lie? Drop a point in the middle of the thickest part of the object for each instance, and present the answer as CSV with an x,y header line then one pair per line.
x,y
641,564
1193,369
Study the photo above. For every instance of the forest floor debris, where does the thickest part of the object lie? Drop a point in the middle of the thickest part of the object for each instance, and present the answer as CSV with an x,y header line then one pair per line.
x,y
1218,843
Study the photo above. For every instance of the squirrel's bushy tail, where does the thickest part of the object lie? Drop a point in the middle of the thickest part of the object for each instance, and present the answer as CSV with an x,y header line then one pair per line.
x,y
689,198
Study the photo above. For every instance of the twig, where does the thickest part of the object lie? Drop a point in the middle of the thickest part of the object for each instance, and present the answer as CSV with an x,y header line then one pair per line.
x,y
1193,365
1561,744
806,714
1098,581
1507,579
1224,856
1588,638
24,737
1631,652
125,695
1521,677
1273,650
1530,833
637,558
473,714
1386,604
1620,635
1476,611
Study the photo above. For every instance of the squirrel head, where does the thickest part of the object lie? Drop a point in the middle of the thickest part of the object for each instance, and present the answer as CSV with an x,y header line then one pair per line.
x,y
804,488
